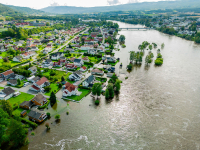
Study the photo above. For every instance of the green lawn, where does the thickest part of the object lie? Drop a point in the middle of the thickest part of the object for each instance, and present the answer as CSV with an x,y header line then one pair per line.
x,y
1,87
58,74
29,27
54,88
18,111
21,98
102,80
113,64
3,54
3,29
83,94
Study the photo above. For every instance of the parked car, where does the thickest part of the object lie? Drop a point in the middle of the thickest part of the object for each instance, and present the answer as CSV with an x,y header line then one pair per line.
x,y
25,84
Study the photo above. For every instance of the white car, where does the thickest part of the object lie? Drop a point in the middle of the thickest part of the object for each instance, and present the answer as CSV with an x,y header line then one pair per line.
x,y
25,84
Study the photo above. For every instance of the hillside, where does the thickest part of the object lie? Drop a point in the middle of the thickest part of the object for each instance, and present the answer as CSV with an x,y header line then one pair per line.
x,y
126,7
27,10
7,11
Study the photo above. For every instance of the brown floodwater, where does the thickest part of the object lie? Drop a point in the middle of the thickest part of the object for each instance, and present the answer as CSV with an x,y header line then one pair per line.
x,y
158,108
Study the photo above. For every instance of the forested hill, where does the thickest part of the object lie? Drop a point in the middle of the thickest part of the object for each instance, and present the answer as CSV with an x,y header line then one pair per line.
x,y
179,4
27,10
7,11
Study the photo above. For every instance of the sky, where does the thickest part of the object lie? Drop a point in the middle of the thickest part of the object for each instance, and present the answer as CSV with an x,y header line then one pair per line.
x,y
38,4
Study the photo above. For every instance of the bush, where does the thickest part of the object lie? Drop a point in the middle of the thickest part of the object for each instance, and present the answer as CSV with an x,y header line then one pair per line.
x,y
45,105
97,102
57,116
105,71
32,124
158,61
32,133
48,115
129,67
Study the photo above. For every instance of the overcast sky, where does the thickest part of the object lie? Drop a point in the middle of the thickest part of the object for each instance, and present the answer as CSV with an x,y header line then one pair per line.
x,y
38,4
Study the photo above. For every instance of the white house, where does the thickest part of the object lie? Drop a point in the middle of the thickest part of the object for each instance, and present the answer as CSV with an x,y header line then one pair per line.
x,y
75,76
38,86
78,62
89,81
6,93
56,56
69,89
17,59
33,69
87,47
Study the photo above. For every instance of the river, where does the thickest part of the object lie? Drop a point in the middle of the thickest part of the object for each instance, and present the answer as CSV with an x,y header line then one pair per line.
x,y
158,108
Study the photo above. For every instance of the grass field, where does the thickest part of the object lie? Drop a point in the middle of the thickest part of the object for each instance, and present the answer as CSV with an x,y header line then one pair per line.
x,y
29,27
21,98
54,88
58,74
113,64
3,29
34,20
83,94
18,111
1,87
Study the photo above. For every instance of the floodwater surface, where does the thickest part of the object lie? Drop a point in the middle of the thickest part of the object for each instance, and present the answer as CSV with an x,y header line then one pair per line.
x,y
158,108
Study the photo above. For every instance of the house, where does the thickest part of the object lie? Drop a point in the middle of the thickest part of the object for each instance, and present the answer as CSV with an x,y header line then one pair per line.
x,y
26,105
17,59
38,86
39,100
111,59
89,81
75,76
57,56
7,74
62,61
72,59
57,64
33,69
6,93
87,47
37,42
70,66
97,72
92,51
85,59
27,55
33,79
17,76
69,89
37,116
48,62
83,68
29,41
106,44
23,113
12,82
78,62
69,49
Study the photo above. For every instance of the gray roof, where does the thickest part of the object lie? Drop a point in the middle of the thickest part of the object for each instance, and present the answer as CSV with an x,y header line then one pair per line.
x,y
35,114
14,81
77,60
18,57
48,60
26,103
34,68
90,79
8,91
36,79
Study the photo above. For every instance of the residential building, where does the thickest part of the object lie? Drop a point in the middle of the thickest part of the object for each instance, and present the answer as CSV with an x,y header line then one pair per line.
x,y
6,93
7,74
75,76
97,72
12,82
17,59
39,100
83,69
57,56
78,62
69,89
89,81
37,116
33,69
26,105
38,86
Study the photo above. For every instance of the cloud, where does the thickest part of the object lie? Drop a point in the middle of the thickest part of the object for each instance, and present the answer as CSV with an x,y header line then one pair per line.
x,y
54,4
113,2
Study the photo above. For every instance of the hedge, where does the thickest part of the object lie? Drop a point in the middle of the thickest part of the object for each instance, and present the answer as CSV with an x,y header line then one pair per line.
x,y
32,124
44,106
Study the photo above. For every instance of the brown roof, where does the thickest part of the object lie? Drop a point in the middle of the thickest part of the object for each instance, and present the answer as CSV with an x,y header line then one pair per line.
x,y
84,67
39,98
35,87
97,71
8,72
85,58
42,81
70,87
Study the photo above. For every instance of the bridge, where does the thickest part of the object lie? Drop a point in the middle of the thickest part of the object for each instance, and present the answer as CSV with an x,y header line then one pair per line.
x,y
136,28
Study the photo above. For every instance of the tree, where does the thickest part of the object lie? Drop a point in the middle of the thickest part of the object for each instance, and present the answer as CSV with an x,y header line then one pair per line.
x,y
107,94
60,85
150,47
18,81
99,89
132,55
117,85
148,59
5,59
47,24
16,132
62,79
6,106
110,89
47,126
47,88
109,39
57,117
48,115
122,38
96,89
162,45
52,98
4,121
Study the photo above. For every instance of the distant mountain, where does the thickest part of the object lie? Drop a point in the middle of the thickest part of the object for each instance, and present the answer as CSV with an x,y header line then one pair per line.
x,y
27,10
179,4
7,11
